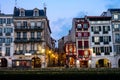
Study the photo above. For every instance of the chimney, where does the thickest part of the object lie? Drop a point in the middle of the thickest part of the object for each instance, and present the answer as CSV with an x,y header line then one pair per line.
x,y
45,10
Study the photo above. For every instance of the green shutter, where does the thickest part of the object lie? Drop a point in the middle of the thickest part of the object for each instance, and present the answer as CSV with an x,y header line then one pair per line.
x,y
110,38
92,28
110,49
101,39
99,28
92,39
102,49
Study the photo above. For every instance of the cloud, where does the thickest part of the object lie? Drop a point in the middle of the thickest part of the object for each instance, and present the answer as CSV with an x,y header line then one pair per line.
x,y
113,4
60,27
81,14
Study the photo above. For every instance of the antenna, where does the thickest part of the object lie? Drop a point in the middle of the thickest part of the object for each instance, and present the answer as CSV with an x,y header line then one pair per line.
x,y
0,8
44,4
16,3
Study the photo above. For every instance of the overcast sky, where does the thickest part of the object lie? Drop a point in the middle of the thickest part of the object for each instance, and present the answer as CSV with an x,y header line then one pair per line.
x,y
61,12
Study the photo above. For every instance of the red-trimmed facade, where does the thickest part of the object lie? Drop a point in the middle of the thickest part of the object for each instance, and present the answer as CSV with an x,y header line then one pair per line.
x,y
70,49
82,42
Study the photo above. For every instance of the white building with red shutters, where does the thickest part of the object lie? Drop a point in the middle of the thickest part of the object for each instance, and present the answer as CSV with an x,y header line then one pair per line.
x,y
82,39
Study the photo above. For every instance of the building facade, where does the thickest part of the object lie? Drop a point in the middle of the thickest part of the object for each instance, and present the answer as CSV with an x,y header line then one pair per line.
x,y
115,23
82,36
31,38
101,41
6,40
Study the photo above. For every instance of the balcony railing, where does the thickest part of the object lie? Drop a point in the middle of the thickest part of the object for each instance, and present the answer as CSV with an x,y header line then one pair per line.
x,y
1,34
35,40
30,28
8,34
20,52
21,40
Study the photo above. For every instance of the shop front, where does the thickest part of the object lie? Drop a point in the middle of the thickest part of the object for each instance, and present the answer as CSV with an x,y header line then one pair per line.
x,y
18,63
3,62
70,50
84,58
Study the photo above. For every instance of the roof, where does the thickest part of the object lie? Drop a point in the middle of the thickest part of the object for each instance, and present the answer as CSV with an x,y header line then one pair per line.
x,y
28,13
114,10
100,18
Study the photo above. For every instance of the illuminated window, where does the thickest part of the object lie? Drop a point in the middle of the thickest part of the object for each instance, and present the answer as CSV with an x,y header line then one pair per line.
x,y
17,63
115,16
96,39
79,26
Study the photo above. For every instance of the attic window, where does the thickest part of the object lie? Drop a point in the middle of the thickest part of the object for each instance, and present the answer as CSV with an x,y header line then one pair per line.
x,y
22,13
36,13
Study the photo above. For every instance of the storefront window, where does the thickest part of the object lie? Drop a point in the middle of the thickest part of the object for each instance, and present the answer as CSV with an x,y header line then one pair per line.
x,y
17,63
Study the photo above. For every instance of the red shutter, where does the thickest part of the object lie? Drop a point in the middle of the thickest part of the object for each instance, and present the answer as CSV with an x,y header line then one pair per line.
x,y
86,45
81,52
79,44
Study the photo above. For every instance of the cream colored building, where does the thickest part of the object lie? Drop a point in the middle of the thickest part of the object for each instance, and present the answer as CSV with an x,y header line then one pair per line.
x,y
31,38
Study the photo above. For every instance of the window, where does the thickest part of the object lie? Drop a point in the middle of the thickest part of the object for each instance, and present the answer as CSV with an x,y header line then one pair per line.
x,y
117,37
8,40
107,50
106,39
32,34
85,26
8,30
24,48
18,34
79,26
1,21
25,24
115,16
36,13
86,45
96,29
1,40
9,20
80,44
117,49
22,13
32,47
32,24
24,35
97,50
106,29
0,51
39,24
116,27
7,51
0,30
96,39
38,34
18,24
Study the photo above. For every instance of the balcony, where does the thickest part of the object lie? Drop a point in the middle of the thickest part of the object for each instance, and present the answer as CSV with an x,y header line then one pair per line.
x,y
117,41
36,28
21,28
8,34
7,44
1,34
33,51
21,40
20,52
35,40
31,28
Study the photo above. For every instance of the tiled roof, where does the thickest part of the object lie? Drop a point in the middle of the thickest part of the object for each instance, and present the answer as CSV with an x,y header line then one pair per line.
x,y
96,18
112,10
27,12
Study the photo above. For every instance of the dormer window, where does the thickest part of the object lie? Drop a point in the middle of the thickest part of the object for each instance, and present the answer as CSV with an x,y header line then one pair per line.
x,y
79,26
115,16
22,12
36,13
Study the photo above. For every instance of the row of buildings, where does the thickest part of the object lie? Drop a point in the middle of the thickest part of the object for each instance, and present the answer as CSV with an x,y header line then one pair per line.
x,y
25,38
93,41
